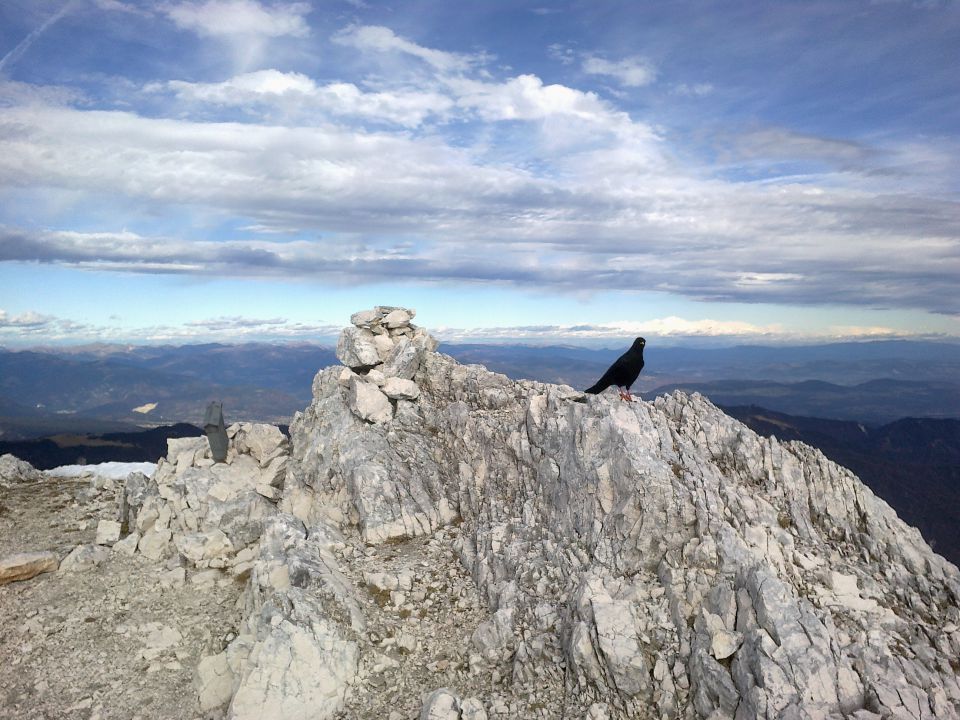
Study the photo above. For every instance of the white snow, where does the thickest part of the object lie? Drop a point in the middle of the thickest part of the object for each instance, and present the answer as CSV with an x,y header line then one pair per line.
x,y
111,470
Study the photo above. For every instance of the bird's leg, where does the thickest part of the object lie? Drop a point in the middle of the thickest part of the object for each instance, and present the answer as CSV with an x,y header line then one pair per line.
x,y
625,395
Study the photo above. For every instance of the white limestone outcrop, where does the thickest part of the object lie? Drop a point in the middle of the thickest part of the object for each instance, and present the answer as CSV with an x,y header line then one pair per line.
x,y
645,559
448,543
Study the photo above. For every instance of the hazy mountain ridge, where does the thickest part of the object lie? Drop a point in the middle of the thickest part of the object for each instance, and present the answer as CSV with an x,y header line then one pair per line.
x,y
252,382
875,402
847,363
259,381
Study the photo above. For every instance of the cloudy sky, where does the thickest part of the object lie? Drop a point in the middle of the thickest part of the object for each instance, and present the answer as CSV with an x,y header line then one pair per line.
x,y
243,169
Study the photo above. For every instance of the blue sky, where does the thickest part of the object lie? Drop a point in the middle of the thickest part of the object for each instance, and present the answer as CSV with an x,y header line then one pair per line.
x,y
577,171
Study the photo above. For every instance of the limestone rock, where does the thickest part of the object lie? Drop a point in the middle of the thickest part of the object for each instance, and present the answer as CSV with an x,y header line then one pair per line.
x,y
397,388
154,543
263,442
673,563
440,705
127,546
204,545
84,557
205,511
137,488
472,709
14,470
396,319
214,682
108,532
356,349
365,318
404,360
368,402
300,674
23,566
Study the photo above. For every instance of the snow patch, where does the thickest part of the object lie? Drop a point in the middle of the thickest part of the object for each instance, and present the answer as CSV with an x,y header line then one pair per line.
x,y
111,470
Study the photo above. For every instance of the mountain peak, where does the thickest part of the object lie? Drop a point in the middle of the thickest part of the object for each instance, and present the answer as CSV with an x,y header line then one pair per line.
x,y
634,557
438,539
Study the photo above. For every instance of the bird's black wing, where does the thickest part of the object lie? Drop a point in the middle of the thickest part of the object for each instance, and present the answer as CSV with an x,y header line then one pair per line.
x,y
613,375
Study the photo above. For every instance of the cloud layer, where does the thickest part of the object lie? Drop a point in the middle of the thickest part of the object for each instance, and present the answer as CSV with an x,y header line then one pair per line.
x,y
239,17
425,165
30,328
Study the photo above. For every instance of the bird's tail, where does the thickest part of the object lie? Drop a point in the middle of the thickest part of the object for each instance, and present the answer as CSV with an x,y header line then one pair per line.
x,y
596,389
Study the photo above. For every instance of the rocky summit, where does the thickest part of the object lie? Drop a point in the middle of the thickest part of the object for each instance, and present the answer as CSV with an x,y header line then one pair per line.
x,y
436,541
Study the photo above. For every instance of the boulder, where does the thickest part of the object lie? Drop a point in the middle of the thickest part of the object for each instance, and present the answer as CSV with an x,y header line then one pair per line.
x,y
356,349
204,545
396,319
14,470
397,388
441,704
264,442
300,673
23,566
108,532
367,402
214,682
84,557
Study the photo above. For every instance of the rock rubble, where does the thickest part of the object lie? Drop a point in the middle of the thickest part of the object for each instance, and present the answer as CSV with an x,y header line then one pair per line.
x,y
204,512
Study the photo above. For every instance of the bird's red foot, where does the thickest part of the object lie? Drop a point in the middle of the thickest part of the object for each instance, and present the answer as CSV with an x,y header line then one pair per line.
x,y
625,395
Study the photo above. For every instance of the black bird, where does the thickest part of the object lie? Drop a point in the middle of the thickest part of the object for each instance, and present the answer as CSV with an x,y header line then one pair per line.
x,y
623,373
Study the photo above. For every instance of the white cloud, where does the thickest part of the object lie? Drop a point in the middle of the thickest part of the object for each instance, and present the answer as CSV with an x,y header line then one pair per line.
x,y
630,72
668,327
527,98
777,143
673,325
563,54
695,90
28,319
379,39
299,97
240,17
561,190
121,7
28,328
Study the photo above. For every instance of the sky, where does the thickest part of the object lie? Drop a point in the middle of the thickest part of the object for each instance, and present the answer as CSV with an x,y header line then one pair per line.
x,y
694,171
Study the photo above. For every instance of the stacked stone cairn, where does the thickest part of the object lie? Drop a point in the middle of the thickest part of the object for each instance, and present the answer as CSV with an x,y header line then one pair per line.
x,y
382,353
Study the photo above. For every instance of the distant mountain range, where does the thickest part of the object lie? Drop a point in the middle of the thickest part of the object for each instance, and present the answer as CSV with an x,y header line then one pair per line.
x,y
838,363
44,393
873,402
61,390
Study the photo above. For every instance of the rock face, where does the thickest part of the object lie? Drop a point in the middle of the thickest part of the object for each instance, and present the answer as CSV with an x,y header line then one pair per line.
x,y
14,470
636,559
448,543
